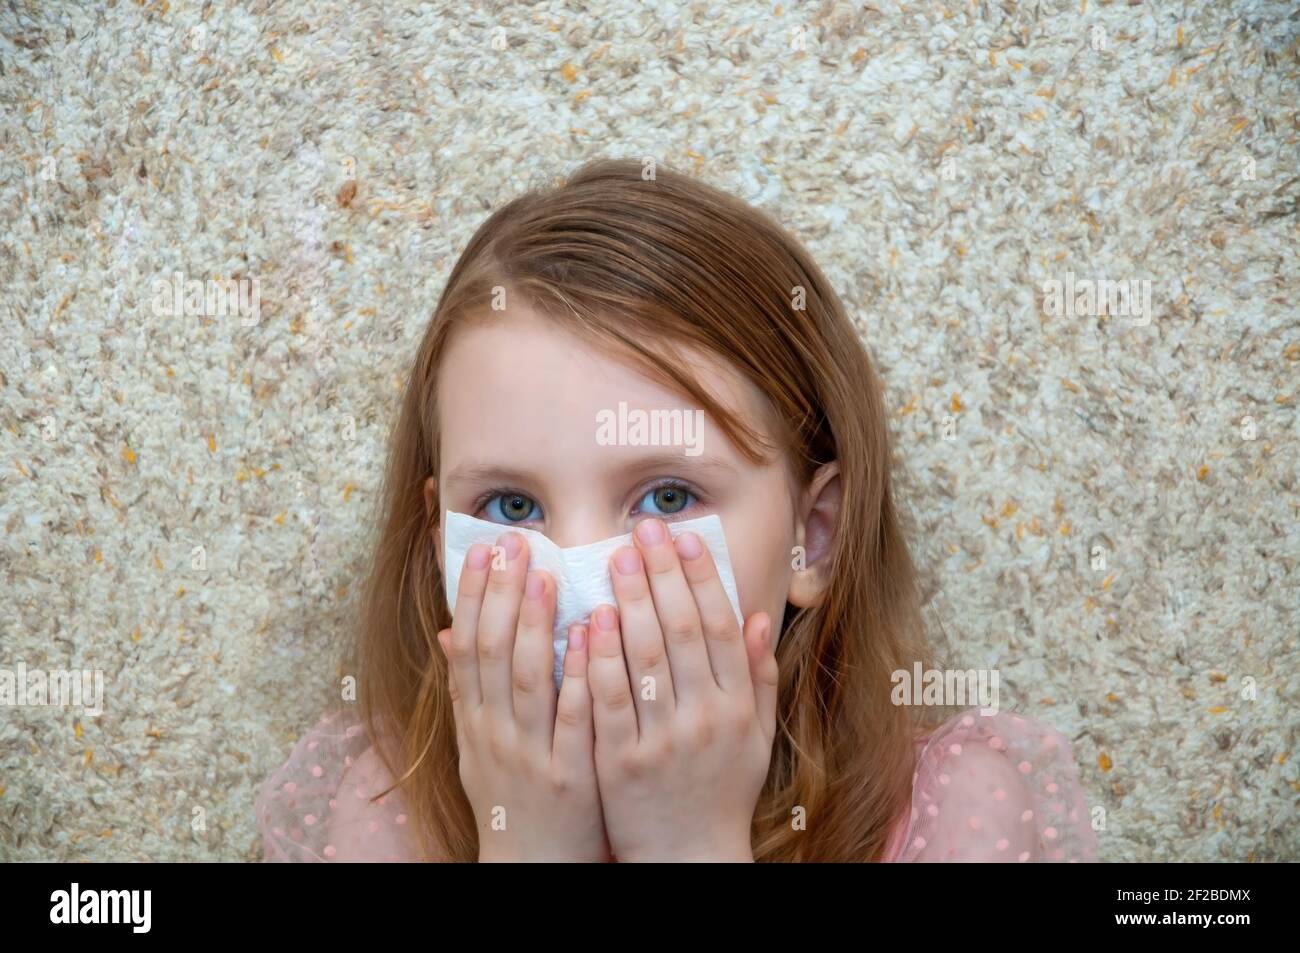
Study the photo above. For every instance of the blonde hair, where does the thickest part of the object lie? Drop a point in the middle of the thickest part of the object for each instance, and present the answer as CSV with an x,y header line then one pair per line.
x,y
642,266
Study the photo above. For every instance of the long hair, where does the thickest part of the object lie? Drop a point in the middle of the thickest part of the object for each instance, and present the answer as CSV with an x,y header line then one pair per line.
x,y
643,260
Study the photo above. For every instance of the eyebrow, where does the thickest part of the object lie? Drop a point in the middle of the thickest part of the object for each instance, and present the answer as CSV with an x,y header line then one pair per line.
x,y
632,468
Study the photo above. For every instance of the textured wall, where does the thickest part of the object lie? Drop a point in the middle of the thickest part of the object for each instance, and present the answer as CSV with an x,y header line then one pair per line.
x,y
941,159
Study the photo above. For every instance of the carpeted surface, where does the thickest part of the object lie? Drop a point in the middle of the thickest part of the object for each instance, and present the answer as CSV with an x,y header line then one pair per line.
x,y
942,160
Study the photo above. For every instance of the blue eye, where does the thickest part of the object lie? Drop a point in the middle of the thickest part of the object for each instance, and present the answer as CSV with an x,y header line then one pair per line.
x,y
667,499
511,508
506,506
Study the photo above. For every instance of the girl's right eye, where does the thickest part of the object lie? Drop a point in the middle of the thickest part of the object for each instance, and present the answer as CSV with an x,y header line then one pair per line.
x,y
511,508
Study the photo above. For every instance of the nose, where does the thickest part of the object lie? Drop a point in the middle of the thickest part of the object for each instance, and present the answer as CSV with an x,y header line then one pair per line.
x,y
583,525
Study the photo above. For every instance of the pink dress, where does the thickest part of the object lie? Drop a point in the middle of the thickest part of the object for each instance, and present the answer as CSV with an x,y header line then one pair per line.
x,y
1000,787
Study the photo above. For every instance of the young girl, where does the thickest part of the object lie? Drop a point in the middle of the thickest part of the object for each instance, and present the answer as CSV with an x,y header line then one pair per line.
x,y
781,740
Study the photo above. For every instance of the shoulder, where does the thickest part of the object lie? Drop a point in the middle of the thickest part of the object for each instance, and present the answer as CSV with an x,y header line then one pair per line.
x,y
326,802
370,821
999,787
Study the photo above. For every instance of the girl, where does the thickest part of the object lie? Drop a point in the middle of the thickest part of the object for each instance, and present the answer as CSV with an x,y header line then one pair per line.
x,y
781,740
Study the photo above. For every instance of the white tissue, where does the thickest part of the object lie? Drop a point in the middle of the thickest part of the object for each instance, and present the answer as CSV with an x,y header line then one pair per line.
x,y
581,573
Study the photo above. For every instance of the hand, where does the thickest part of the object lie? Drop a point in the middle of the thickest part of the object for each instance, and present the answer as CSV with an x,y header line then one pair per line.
x,y
685,705
526,760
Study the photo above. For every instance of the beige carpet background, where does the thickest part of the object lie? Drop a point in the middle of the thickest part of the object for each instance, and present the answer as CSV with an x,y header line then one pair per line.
x,y
941,159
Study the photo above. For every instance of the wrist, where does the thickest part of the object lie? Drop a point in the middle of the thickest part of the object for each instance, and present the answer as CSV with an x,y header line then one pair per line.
x,y
731,852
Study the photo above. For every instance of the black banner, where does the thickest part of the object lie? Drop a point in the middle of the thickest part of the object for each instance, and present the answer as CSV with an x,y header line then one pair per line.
x,y
215,902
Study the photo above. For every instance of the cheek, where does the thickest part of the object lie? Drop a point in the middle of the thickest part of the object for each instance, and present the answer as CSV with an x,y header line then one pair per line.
x,y
761,558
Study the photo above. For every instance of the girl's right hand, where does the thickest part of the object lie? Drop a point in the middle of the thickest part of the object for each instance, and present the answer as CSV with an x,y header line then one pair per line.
x,y
526,762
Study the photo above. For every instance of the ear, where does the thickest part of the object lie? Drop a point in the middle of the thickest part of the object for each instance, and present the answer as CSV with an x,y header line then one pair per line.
x,y
815,532
430,493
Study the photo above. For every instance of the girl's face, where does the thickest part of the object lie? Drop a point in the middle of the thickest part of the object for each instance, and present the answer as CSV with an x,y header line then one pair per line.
x,y
520,402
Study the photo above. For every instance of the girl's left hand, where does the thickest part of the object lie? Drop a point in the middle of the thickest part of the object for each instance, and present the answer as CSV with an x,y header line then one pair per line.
x,y
684,705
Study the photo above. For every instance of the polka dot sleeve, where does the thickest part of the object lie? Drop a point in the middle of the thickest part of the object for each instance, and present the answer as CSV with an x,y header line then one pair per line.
x,y
321,805
999,788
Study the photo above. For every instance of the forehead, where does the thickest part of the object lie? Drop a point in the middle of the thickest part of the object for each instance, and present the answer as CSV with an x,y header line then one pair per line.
x,y
523,383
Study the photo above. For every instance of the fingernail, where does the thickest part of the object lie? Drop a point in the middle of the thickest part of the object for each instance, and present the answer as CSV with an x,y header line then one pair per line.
x,y
688,546
534,586
577,637
478,556
628,561
650,532
605,617
511,543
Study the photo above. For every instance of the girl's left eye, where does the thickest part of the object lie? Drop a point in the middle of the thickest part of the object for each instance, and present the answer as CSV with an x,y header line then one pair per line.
x,y
666,500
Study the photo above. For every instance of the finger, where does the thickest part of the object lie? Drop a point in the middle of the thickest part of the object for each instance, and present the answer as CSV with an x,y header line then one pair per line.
x,y
574,731
463,651
642,636
722,635
498,622
612,708
763,670
444,640
674,606
533,681
647,670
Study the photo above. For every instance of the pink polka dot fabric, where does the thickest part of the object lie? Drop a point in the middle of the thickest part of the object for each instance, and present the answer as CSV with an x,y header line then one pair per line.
x,y
999,788
321,806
